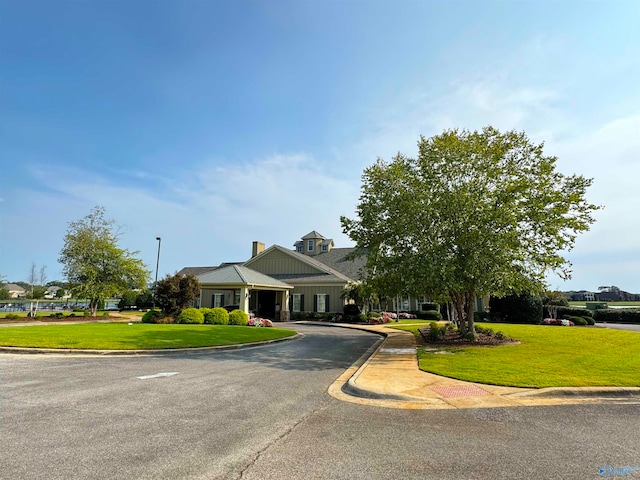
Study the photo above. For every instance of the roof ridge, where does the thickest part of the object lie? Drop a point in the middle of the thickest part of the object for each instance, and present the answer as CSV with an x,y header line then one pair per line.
x,y
239,272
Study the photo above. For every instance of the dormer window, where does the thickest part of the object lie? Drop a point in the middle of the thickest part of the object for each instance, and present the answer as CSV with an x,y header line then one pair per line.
x,y
310,246
299,248
325,248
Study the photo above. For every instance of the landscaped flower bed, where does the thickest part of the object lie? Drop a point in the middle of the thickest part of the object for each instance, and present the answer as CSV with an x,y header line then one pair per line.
x,y
558,321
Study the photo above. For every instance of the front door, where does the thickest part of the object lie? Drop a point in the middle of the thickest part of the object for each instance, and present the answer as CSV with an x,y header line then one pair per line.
x,y
267,304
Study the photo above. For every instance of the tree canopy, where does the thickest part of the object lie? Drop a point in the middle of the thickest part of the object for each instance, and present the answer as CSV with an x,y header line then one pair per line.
x,y
94,265
475,213
176,292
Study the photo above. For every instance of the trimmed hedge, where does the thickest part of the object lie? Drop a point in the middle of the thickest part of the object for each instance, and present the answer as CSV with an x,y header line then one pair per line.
x,y
152,316
523,308
191,315
576,320
430,315
238,317
618,315
574,311
216,316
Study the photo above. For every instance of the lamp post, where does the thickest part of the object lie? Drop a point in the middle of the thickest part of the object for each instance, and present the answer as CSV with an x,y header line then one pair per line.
x,y
155,284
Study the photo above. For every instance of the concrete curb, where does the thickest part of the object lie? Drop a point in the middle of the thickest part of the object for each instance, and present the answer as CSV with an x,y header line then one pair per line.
x,y
525,397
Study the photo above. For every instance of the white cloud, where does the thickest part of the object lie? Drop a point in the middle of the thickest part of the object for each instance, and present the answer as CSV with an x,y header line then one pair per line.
x,y
209,215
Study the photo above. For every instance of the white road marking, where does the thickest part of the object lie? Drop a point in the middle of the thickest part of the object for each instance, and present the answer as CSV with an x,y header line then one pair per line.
x,y
158,375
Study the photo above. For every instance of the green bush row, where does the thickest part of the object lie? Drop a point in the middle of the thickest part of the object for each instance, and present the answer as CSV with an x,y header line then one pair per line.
x,y
578,312
618,315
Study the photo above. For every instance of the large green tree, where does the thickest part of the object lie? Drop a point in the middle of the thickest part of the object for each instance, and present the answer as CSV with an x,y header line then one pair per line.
x,y
93,263
475,213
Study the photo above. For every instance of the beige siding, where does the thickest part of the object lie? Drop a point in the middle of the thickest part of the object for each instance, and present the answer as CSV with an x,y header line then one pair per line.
x,y
335,302
277,263
206,299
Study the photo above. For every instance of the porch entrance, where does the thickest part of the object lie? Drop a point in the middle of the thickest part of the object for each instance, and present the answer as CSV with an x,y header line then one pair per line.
x,y
263,302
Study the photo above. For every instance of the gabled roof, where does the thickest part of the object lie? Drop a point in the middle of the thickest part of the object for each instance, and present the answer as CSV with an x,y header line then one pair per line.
x,y
195,270
200,270
313,234
336,260
322,268
239,275
12,287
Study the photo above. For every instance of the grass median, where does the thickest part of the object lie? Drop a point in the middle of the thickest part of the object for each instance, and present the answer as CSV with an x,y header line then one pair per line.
x,y
136,336
547,356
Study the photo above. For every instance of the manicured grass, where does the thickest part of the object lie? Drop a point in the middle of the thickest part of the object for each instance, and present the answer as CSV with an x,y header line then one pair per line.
x,y
547,356
137,336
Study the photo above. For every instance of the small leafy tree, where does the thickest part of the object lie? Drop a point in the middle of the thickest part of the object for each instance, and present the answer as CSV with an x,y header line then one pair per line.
x,y
474,213
93,263
176,292
552,300
4,292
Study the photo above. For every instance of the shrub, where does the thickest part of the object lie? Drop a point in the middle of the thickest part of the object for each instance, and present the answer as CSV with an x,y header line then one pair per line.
x,y
362,317
431,315
155,316
485,331
374,315
435,332
590,320
56,315
618,315
216,316
430,306
191,315
471,336
523,308
574,311
238,317
576,320
12,316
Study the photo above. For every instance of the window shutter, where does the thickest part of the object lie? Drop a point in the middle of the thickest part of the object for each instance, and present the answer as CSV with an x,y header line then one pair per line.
x,y
315,303
302,303
327,305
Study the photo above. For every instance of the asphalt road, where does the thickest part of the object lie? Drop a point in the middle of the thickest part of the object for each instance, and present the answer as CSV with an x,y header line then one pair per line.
x,y
263,413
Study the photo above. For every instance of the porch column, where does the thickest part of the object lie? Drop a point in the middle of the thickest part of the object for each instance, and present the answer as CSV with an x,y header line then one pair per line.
x,y
244,299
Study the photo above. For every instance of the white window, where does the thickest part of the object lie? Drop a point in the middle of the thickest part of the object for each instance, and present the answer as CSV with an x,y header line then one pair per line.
x,y
297,302
299,248
325,248
217,300
321,303
310,245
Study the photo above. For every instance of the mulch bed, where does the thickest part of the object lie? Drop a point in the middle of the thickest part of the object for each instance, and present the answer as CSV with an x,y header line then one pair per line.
x,y
453,338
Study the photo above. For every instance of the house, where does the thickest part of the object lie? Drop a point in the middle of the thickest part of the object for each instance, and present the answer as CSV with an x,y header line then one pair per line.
x,y
278,281
15,291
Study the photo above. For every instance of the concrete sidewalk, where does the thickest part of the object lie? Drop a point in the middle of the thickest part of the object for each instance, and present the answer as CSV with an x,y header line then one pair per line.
x,y
388,376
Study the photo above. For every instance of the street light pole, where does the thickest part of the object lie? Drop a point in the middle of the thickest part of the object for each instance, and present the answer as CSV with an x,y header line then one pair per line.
x,y
155,284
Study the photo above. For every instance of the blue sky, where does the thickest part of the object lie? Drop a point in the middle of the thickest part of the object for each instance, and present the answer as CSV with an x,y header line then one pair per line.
x,y
215,123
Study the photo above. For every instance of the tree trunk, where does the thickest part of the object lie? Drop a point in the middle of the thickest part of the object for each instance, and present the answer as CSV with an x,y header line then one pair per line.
x,y
470,297
93,306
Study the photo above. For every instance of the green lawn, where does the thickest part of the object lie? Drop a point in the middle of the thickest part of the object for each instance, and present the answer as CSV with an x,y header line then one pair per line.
x,y
137,336
547,356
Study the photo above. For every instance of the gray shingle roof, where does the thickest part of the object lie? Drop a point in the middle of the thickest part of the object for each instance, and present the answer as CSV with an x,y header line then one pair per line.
x,y
313,234
335,259
239,275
